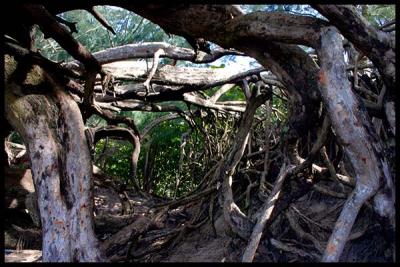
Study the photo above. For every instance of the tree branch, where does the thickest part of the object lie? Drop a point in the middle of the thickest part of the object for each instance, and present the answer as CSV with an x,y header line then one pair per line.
x,y
265,214
372,42
147,50
101,19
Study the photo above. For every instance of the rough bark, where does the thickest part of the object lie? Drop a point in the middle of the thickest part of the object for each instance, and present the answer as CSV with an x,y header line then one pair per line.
x,y
147,50
51,28
228,18
171,75
52,127
234,217
358,138
289,63
253,34
372,42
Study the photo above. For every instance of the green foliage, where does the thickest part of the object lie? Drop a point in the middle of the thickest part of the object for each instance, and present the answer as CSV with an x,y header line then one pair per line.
x,y
129,28
15,137
166,137
234,94
279,110
304,10
118,161
378,15
218,67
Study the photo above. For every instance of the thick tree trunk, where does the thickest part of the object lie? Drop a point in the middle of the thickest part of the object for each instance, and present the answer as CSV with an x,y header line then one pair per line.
x,y
52,128
359,140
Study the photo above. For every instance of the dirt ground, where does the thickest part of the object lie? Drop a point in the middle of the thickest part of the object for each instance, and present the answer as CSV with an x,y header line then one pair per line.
x,y
368,242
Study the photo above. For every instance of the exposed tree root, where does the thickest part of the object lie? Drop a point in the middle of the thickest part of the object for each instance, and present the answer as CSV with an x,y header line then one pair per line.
x,y
265,214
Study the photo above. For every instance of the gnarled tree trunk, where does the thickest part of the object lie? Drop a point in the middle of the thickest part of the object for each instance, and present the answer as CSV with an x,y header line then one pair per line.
x,y
52,128
355,132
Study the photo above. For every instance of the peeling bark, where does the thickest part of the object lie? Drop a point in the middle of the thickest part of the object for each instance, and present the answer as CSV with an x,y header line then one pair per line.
x,y
52,127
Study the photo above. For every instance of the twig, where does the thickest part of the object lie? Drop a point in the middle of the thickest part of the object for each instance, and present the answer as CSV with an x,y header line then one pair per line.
x,y
186,200
266,148
390,29
387,24
300,232
328,192
308,219
153,69
355,72
221,91
329,164
157,121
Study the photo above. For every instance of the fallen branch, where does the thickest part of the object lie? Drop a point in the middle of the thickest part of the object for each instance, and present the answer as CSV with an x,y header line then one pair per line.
x,y
328,192
118,241
190,98
308,219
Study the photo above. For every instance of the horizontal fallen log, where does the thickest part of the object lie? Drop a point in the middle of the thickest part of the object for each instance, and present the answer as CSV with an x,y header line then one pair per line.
x,y
147,50
171,75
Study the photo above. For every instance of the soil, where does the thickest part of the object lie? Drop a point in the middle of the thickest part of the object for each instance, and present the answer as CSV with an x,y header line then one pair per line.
x,y
315,213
